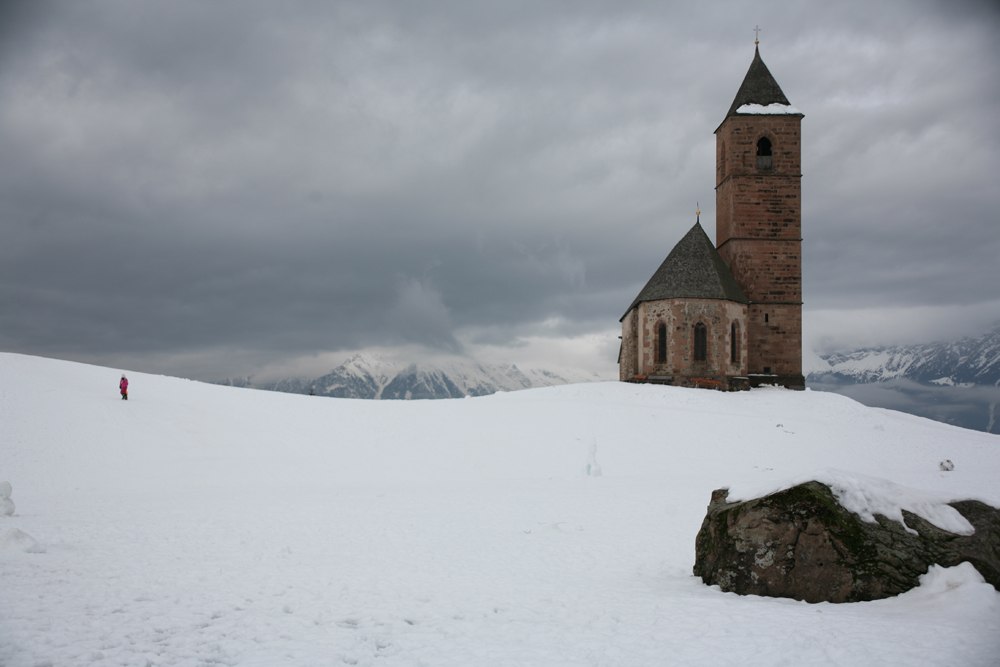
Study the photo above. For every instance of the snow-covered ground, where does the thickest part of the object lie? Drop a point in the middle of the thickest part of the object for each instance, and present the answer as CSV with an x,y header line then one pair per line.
x,y
197,524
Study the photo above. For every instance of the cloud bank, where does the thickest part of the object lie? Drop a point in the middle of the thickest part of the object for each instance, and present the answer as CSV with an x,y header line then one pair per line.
x,y
209,190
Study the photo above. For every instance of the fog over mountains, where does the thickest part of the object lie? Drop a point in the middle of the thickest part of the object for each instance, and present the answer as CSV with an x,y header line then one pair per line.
x,y
957,382
374,377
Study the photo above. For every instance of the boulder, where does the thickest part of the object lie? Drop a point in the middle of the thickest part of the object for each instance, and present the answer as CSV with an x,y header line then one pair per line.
x,y
802,543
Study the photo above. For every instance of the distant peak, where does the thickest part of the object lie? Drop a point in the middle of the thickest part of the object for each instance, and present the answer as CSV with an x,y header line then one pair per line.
x,y
367,359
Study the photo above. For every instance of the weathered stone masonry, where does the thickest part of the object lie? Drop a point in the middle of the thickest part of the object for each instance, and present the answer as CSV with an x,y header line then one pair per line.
x,y
680,317
747,287
759,233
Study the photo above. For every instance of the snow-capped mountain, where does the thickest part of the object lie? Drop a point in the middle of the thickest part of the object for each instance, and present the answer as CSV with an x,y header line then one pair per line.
x,y
969,361
371,376
955,382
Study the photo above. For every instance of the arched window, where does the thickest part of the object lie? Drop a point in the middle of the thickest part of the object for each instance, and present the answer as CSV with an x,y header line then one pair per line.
x,y
700,342
661,343
764,153
734,344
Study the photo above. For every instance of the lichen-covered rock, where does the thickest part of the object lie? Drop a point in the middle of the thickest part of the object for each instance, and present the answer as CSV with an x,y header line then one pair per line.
x,y
801,543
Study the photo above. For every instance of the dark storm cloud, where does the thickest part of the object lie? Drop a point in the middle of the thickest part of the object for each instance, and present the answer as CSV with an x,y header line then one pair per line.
x,y
278,179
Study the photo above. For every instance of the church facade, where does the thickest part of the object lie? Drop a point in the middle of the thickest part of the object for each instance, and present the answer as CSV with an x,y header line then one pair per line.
x,y
729,315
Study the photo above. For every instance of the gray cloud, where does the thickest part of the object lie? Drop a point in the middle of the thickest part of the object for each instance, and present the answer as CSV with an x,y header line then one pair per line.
x,y
969,407
243,183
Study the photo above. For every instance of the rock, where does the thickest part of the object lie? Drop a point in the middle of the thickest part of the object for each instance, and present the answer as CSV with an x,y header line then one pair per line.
x,y
946,465
801,543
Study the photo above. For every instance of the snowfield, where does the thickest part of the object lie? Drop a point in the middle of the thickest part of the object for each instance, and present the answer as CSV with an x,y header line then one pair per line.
x,y
198,524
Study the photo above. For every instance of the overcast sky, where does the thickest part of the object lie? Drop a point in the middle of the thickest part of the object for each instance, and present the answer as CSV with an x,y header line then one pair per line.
x,y
212,189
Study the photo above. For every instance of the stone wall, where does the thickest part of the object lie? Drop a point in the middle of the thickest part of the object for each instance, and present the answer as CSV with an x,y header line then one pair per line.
x,y
768,271
640,333
752,202
758,233
775,345
627,361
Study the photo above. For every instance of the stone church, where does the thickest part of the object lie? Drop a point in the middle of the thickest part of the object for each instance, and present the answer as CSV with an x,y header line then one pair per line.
x,y
729,315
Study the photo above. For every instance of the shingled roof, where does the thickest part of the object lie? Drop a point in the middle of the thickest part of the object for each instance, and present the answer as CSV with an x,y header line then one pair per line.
x,y
759,87
693,270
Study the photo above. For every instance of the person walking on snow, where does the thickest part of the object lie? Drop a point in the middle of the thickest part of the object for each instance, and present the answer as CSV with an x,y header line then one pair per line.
x,y
123,385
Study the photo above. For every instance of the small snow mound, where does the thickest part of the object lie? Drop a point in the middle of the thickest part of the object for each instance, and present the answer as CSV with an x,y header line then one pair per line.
x,y
6,504
946,465
867,496
20,540
592,468
770,387
943,579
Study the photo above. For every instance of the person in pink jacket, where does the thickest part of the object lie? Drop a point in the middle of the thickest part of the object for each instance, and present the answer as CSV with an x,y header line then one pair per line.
x,y
123,385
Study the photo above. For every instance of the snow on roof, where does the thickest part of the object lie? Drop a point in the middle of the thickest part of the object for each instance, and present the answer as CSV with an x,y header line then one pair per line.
x,y
758,88
771,109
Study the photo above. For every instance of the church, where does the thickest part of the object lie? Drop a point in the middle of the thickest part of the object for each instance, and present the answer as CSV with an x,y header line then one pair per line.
x,y
729,315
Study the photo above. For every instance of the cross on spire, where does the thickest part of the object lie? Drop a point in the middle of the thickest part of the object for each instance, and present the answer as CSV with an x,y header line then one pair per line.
x,y
756,35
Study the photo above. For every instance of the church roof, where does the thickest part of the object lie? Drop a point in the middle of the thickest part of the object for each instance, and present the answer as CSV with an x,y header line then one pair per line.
x,y
693,270
759,88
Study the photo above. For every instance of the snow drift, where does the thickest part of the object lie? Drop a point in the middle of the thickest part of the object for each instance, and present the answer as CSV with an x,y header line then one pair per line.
x,y
203,524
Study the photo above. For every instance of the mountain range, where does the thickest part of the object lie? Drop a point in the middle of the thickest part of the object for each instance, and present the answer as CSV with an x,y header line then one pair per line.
x,y
957,382
969,361
371,376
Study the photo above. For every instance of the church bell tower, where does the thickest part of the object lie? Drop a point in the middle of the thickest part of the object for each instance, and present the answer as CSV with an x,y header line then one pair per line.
x,y
758,228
